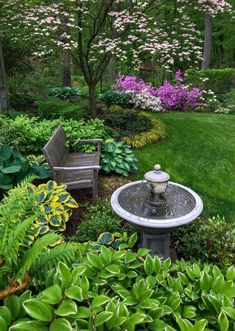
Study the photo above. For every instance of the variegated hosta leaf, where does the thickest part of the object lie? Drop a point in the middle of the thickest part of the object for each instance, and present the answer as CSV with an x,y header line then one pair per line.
x,y
42,195
105,238
51,185
71,203
64,197
55,220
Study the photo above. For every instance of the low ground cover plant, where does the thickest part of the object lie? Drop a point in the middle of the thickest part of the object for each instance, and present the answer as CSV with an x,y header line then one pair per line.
x,y
128,122
53,108
14,167
29,134
65,93
99,218
114,98
120,289
210,240
118,157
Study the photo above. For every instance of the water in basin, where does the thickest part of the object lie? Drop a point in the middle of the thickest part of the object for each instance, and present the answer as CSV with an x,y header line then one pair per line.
x,y
179,202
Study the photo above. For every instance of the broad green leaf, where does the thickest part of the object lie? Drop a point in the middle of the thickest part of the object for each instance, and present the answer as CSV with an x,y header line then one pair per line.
x,y
65,275
13,304
99,301
66,308
113,269
39,310
223,321
230,274
132,240
11,169
28,326
200,325
60,324
230,311
83,312
52,295
5,313
189,312
157,325
205,281
103,317
3,324
74,292
148,265
157,264
95,261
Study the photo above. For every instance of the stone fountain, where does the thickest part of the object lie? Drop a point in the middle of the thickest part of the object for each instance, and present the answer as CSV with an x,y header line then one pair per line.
x,y
156,207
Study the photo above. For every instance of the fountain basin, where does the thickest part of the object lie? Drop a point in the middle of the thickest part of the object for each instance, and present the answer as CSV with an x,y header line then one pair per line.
x,y
183,206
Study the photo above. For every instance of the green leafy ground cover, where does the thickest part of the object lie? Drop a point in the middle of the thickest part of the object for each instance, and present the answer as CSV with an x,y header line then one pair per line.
x,y
199,152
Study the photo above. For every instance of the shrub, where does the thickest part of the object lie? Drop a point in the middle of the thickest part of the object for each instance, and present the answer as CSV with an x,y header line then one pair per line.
x,y
114,98
30,134
123,290
146,101
14,167
210,240
20,100
65,92
218,80
128,122
230,99
54,108
156,133
99,218
126,84
117,157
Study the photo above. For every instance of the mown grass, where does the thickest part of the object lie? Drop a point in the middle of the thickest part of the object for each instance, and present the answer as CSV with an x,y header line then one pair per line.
x,y
199,152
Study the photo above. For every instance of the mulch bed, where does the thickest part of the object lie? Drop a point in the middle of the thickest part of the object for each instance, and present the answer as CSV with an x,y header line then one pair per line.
x,y
107,185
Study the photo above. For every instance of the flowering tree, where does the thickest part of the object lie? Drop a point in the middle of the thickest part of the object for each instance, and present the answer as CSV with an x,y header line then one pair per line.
x,y
95,31
210,8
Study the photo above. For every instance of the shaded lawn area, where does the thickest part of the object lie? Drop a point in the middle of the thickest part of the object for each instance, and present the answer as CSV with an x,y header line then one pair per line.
x,y
199,152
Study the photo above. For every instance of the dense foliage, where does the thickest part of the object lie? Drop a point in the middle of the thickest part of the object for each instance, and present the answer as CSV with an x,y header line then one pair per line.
x,y
30,134
99,218
117,157
25,253
210,240
14,167
126,290
65,92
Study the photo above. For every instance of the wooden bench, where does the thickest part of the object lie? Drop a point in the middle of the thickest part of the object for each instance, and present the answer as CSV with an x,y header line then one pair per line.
x,y
75,170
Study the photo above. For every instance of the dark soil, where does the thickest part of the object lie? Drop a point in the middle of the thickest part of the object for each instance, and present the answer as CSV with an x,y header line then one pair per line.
x,y
107,185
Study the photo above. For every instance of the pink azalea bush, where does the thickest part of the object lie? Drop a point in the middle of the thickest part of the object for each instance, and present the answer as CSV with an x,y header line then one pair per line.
x,y
133,84
177,96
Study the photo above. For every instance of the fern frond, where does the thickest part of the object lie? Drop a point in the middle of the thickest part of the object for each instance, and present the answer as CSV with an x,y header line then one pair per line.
x,y
64,252
35,251
16,238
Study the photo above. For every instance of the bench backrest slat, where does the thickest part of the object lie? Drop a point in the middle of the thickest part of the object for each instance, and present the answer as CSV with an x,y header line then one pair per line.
x,y
55,150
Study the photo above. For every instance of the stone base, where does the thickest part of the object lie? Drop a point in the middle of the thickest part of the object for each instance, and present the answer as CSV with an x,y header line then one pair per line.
x,y
159,244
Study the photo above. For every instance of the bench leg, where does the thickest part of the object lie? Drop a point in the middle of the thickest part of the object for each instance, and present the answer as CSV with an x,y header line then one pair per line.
x,y
95,186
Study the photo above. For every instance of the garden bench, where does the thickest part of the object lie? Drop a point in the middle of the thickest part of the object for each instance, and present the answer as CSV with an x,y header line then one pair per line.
x,y
75,170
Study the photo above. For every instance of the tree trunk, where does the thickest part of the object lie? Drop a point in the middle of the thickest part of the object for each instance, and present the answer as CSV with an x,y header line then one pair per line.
x,y
66,69
207,42
4,104
92,100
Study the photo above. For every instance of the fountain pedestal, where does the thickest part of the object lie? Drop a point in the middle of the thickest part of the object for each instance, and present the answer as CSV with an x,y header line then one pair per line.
x,y
158,244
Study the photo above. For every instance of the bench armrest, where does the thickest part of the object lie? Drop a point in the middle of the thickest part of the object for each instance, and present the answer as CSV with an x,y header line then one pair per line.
x,y
76,168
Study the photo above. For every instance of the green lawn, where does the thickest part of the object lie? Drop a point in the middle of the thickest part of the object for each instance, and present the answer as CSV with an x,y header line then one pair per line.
x,y
199,152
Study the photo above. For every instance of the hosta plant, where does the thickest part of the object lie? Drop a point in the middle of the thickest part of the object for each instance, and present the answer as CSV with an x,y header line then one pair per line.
x,y
55,205
117,157
14,167
122,290
65,92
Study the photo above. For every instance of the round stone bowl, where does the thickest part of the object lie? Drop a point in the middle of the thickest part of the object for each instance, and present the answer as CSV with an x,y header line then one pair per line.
x,y
183,206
